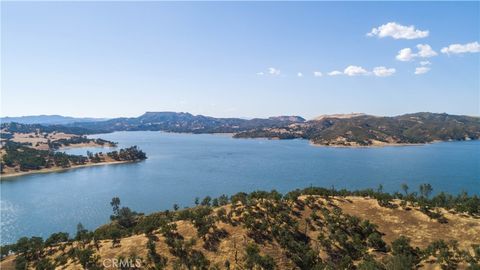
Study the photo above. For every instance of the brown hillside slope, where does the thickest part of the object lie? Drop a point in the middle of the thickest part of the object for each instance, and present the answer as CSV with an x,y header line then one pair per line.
x,y
327,226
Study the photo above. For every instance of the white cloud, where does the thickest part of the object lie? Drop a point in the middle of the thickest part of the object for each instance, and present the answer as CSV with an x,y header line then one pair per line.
x,y
421,70
424,50
405,55
335,73
473,47
383,71
425,63
299,74
273,71
355,70
317,74
260,73
397,31
351,70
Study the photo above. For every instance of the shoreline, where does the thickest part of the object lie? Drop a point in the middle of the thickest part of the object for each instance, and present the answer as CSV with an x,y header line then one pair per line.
x,y
232,135
84,145
371,146
53,170
311,143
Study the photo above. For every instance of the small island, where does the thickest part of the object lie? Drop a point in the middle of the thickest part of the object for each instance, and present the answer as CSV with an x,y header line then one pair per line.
x,y
27,149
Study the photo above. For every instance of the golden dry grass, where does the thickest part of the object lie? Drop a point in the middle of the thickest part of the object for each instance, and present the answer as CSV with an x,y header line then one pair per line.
x,y
392,223
412,223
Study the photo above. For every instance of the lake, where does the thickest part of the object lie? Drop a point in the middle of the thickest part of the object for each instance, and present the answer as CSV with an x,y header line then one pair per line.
x,y
181,167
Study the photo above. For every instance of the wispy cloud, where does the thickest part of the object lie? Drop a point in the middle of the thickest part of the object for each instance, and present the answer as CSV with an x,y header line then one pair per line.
x,y
299,74
472,47
397,31
383,71
270,71
425,63
273,71
355,71
317,74
335,73
421,70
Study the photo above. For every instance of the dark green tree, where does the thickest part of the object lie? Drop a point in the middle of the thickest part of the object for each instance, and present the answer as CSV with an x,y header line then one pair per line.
x,y
405,189
115,203
426,190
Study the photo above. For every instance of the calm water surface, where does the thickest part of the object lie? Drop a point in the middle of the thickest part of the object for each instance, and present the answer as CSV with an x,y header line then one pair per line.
x,y
181,167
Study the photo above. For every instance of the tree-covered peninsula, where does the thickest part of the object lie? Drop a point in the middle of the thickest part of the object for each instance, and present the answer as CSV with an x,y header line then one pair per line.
x,y
35,148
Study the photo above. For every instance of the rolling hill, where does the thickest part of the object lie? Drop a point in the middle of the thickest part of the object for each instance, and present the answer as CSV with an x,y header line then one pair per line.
x,y
314,228
367,130
330,130
48,119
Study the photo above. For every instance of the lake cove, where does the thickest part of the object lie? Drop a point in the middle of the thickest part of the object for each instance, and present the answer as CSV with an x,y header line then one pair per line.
x,y
181,167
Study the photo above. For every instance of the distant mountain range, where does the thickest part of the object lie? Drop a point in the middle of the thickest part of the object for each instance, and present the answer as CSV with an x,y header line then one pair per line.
x,y
48,119
186,122
336,130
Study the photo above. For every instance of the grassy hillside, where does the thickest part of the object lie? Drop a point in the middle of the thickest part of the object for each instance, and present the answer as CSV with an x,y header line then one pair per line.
x,y
314,228
366,130
334,130
186,122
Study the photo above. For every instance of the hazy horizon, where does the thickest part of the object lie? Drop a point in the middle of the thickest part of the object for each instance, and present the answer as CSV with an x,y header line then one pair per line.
x,y
238,116
239,59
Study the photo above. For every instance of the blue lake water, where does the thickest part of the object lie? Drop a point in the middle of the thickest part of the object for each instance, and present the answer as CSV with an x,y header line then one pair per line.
x,y
181,167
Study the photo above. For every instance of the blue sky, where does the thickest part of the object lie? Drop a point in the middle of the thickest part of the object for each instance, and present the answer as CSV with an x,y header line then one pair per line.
x,y
242,59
